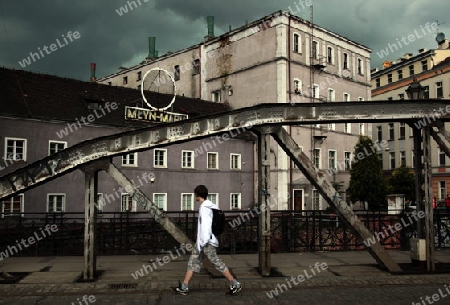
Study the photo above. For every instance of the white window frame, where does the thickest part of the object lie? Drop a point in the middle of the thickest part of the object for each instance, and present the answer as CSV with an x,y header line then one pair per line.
x,y
299,43
297,86
133,203
7,157
360,66
183,163
392,158
331,126
191,203
164,205
50,142
164,151
239,199
126,160
362,129
315,196
335,158
360,99
347,161
63,205
330,55
439,86
5,202
345,94
315,49
442,189
441,153
217,160
318,157
331,96
239,159
402,157
348,127
315,91
345,61
216,200
216,96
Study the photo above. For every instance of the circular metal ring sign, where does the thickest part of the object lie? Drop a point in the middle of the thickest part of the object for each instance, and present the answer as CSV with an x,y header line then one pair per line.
x,y
170,77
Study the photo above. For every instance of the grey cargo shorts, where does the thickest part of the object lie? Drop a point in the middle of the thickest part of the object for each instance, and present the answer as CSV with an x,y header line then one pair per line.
x,y
196,258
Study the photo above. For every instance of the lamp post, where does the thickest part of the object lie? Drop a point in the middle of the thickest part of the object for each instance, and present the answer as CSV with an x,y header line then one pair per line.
x,y
422,148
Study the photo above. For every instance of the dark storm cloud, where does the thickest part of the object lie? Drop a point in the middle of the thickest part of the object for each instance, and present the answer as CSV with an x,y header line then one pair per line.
x,y
111,40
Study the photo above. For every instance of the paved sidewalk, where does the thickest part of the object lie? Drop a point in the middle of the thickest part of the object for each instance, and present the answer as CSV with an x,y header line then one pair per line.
x,y
55,277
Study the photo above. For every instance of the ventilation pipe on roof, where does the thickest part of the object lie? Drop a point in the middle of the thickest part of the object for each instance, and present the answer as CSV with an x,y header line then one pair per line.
x,y
152,54
210,23
93,78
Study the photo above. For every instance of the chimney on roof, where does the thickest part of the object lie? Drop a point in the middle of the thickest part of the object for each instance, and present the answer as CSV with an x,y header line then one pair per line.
x,y
152,53
93,78
210,23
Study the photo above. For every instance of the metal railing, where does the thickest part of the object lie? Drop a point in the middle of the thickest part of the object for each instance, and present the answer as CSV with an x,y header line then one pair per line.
x,y
137,233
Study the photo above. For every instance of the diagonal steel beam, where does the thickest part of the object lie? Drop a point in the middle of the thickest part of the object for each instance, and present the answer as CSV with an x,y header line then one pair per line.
x,y
329,193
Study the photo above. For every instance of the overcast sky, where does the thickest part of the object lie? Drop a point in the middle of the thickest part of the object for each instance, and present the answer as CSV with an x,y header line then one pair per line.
x,y
111,40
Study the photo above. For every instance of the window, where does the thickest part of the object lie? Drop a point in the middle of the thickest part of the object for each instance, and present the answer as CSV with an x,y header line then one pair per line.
x,y
392,160
196,66
331,95
176,72
346,97
400,74
13,205
129,159
160,200
330,55
213,160
403,157
347,160
378,82
315,49
389,78
216,96
315,199
296,43
401,96
347,127
411,70
297,86
125,80
439,90
15,149
187,202
331,126
160,158
424,65
139,76
360,67
332,159
442,190
426,94
441,157
379,133
235,201
214,198
235,161
345,61
56,146
402,130
361,129
316,157
128,204
391,131
360,99
187,159
315,91
56,203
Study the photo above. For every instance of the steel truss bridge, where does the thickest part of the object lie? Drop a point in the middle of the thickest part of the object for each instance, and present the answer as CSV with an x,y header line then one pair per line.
x,y
266,121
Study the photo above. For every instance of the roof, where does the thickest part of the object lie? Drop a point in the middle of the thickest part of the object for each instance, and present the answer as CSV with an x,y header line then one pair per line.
x,y
47,97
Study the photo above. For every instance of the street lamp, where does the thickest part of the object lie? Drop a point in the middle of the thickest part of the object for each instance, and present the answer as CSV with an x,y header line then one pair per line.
x,y
415,90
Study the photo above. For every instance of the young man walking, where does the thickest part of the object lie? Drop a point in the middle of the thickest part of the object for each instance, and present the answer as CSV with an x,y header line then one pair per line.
x,y
206,245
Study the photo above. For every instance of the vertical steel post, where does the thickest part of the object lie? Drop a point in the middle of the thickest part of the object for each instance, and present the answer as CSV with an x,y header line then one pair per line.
x,y
418,178
429,227
90,200
264,204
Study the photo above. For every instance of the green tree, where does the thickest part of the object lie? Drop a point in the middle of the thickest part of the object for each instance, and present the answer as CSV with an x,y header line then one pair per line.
x,y
401,181
367,182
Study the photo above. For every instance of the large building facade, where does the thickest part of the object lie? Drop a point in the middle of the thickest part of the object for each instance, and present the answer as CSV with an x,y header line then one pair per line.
x,y
280,58
43,114
432,69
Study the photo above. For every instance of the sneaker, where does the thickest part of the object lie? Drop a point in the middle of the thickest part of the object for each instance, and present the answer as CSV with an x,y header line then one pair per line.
x,y
180,290
183,291
235,289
